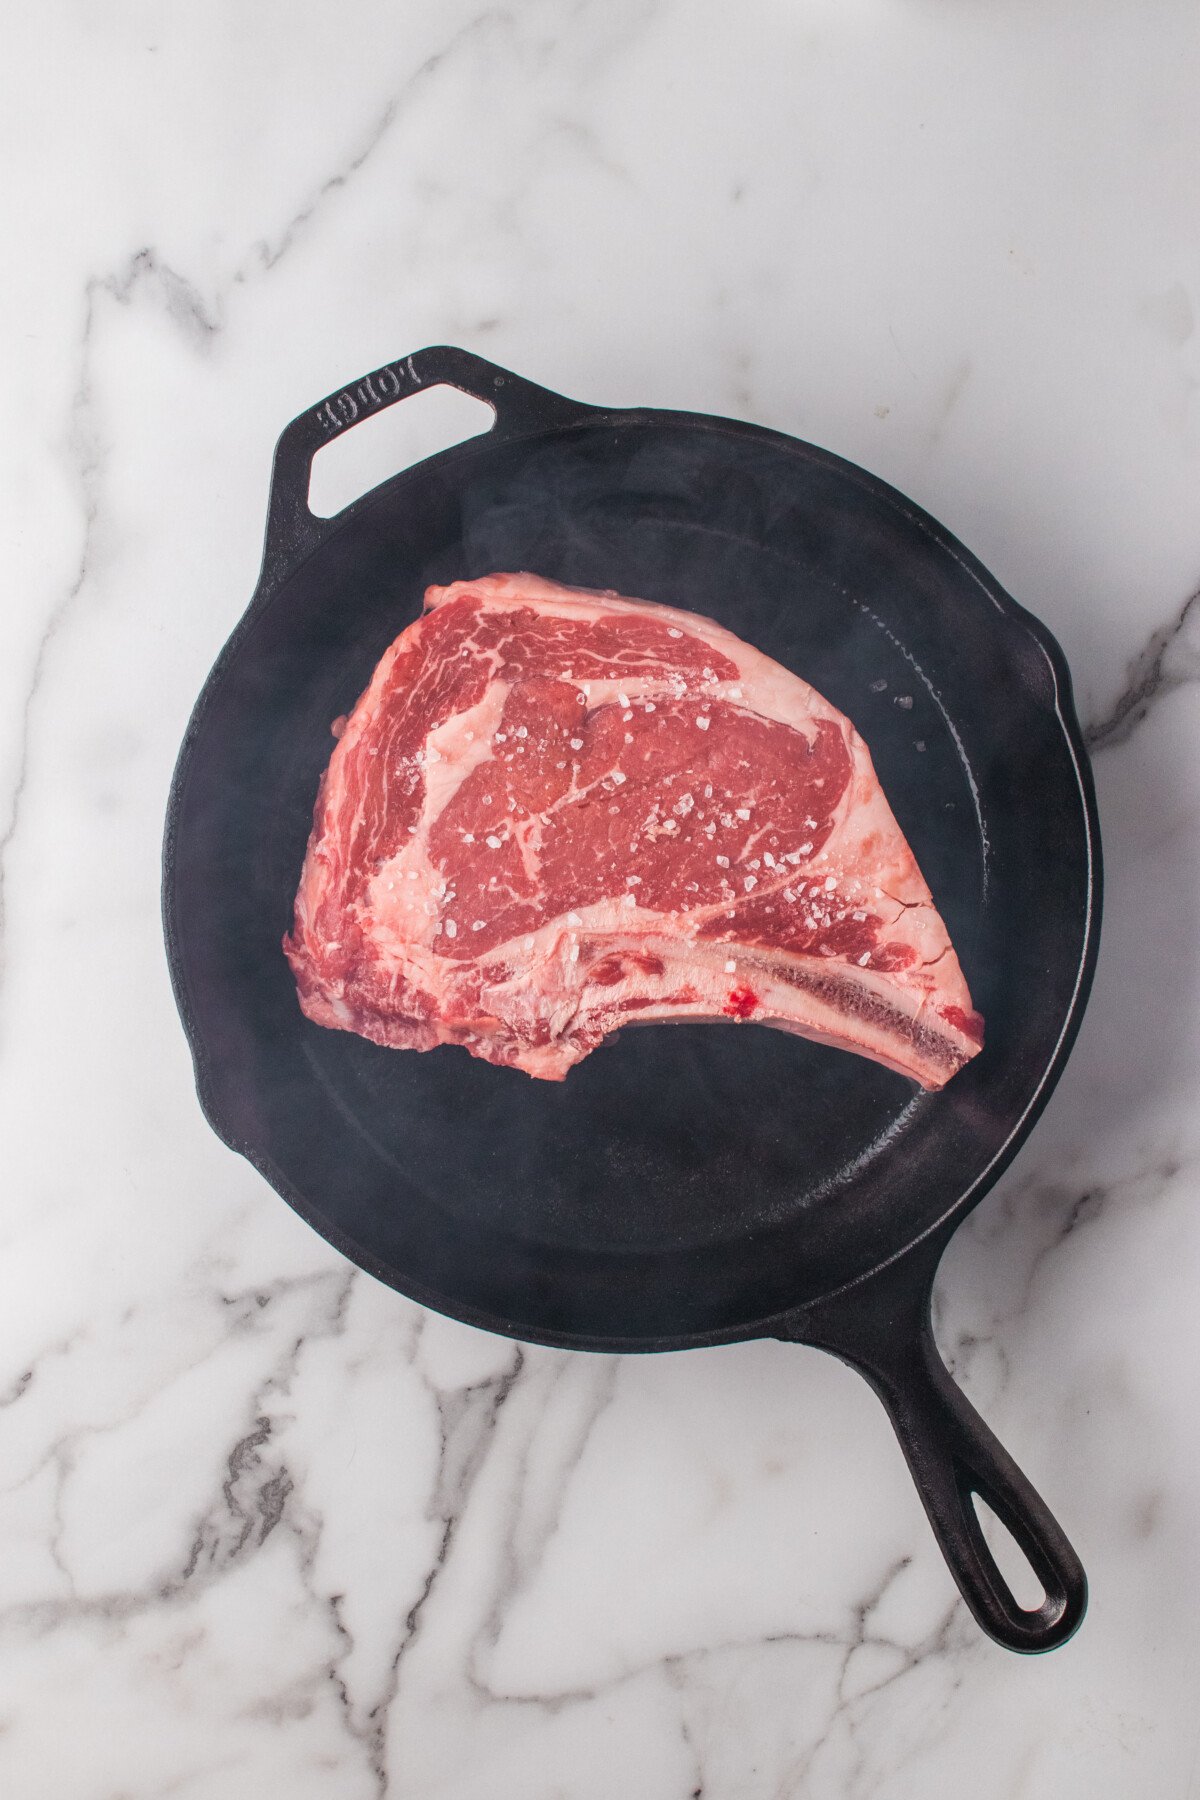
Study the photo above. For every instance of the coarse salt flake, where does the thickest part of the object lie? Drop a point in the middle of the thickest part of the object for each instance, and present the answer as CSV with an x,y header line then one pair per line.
x,y
618,776
722,862
493,843
830,884
451,928
742,812
674,631
702,724
751,881
864,959
577,743
573,918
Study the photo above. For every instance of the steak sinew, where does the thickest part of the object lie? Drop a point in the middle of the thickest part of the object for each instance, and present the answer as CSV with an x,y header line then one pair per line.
x,y
554,812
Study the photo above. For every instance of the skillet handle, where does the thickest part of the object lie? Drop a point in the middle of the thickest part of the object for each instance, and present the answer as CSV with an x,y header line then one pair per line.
x,y
882,1328
520,406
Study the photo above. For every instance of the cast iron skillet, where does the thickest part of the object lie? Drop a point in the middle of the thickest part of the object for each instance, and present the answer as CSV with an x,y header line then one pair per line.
x,y
686,1185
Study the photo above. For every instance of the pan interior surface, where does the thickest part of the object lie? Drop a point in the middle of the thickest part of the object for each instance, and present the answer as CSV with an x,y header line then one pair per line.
x,y
684,1180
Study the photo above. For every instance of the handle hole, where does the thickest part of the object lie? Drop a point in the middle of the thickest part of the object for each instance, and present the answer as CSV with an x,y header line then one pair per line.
x,y
1011,1560
392,439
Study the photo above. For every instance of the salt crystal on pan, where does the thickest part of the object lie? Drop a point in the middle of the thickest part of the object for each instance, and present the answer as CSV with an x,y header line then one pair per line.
x,y
877,687
904,701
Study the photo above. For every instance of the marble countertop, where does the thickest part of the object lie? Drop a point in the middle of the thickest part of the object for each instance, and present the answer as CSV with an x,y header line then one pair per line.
x,y
267,1529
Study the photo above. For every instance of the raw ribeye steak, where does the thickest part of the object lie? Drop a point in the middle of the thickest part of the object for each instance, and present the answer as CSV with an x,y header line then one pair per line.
x,y
555,812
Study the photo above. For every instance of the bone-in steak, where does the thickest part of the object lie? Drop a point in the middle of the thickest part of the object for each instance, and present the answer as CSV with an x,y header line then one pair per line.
x,y
555,812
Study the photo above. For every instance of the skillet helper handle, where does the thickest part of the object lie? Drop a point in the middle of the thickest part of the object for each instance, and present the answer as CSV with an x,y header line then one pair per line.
x,y
882,1328
520,407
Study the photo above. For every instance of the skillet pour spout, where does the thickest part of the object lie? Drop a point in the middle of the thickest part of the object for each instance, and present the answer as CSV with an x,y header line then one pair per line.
x,y
688,1185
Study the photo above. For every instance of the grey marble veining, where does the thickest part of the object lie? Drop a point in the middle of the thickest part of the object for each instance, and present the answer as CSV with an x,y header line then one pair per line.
x,y
266,1528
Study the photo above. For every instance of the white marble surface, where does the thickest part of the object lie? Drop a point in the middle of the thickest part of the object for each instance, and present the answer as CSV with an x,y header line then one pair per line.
x,y
265,1528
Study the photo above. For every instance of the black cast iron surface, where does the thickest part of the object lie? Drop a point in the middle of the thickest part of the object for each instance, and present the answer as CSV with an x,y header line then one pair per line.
x,y
687,1185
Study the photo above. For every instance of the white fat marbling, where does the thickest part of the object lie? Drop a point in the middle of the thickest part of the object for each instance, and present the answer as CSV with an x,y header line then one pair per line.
x,y
265,1528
